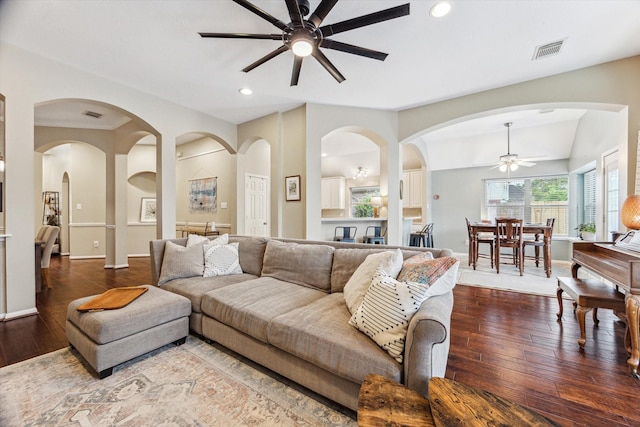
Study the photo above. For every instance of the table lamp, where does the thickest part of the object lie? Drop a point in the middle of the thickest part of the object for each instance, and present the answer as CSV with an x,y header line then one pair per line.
x,y
630,212
376,201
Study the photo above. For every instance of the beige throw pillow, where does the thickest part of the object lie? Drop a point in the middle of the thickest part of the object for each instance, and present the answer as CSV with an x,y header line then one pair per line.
x,y
388,261
181,261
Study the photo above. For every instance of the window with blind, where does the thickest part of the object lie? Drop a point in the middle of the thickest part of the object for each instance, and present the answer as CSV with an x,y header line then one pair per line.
x,y
589,197
533,199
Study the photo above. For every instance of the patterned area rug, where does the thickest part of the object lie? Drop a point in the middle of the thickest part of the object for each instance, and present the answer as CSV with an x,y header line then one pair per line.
x,y
195,384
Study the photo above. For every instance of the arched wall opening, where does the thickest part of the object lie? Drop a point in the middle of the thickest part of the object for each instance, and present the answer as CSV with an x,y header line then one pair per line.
x,y
457,192
205,183
361,168
256,204
103,217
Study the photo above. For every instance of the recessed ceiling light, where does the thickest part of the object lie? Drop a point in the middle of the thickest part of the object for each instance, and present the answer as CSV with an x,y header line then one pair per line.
x,y
324,154
440,9
246,91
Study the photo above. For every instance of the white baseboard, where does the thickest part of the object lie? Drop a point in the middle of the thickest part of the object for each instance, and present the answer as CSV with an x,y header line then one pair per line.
x,y
21,313
86,256
115,267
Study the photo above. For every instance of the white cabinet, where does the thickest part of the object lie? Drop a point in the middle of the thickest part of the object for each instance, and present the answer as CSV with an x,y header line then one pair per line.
x,y
332,193
412,189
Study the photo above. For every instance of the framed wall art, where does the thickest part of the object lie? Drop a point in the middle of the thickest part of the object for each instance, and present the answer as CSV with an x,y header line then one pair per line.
x,y
148,210
292,188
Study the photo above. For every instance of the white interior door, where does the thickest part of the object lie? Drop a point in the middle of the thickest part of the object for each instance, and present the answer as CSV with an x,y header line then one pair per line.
x,y
256,205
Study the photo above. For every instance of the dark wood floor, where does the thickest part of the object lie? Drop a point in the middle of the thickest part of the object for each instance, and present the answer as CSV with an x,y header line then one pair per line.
x,y
504,342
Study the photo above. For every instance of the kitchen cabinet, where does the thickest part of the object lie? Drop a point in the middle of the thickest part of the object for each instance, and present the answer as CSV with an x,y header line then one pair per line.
x,y
332,193
412,189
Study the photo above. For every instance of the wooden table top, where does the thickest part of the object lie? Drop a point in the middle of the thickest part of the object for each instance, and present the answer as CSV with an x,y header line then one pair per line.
x,y
383,402
455,404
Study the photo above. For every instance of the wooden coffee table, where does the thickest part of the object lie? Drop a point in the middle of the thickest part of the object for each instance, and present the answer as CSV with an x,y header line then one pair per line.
x,y
383,402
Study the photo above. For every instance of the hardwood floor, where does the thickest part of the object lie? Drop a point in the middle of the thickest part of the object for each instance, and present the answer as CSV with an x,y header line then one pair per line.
x,y
507,343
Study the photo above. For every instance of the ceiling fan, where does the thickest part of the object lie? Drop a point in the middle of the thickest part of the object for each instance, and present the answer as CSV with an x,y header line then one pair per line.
x,y
305,37
509,161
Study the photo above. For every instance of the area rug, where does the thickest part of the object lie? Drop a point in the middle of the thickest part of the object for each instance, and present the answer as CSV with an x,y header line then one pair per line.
x,y
534,281
195,384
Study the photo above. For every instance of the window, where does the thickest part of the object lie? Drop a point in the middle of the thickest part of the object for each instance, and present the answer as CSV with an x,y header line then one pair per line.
x,y
531,199
361,206
589,197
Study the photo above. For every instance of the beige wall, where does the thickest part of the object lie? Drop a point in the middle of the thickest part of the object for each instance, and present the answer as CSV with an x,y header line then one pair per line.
x,y
195,165
293,163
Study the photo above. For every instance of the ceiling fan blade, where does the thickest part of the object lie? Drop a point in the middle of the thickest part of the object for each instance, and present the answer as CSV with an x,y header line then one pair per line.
x,y
321,12
372,18
265,58
241,36
297,65
324,61
294,12
496,166
356,50
527,164
262,14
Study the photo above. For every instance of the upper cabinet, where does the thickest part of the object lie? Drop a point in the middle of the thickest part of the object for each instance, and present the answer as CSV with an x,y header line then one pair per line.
x,y
332,193
412,189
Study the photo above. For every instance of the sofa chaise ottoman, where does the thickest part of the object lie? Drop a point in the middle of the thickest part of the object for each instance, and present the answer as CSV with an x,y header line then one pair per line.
x,y
110,337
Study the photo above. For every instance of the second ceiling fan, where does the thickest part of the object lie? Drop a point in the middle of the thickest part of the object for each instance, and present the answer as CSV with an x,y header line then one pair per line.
x,y
510,161
305,37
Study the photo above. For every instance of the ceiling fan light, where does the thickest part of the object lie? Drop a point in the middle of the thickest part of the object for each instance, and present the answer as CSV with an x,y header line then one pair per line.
x,y
503,167
302,47
514,166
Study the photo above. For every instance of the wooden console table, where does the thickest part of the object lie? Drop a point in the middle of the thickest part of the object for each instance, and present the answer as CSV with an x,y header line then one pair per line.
x,y
383,402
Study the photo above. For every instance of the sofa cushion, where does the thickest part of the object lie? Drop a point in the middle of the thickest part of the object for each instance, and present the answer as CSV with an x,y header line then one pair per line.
x,y
355,289
251,252
250,306
195,287
347,261
307,265
221,260
319,333
389,304
181,261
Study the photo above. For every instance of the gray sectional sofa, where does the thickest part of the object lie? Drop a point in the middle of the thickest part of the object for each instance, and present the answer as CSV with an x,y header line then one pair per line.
x,y
286,311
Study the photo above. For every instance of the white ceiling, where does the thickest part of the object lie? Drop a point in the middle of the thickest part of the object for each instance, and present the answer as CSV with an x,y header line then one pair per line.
x,y
153,46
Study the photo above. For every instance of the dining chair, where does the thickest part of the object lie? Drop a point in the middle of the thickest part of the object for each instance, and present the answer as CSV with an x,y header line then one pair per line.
x,y
537,244
374,234
345,234
509,235
481,239
49,238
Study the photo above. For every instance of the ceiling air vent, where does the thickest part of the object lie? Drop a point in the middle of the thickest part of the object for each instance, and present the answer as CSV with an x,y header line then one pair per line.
x,y
549,49
92,114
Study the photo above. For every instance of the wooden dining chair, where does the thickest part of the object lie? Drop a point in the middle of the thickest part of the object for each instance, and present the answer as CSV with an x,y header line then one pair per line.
x,y
486,240
537,244
509,235
49,238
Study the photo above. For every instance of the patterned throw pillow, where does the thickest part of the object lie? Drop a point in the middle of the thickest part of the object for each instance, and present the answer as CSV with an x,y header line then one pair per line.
x,y
416,268
389,304
221,260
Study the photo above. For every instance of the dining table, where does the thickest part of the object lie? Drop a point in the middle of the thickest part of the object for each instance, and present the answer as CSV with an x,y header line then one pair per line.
x,y
537,230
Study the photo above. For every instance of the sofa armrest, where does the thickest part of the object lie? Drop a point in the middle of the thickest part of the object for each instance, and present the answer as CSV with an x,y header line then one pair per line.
x,y
427,345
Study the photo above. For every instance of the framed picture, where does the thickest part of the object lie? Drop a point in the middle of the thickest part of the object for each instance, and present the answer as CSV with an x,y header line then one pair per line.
x,y
148,210
292,188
